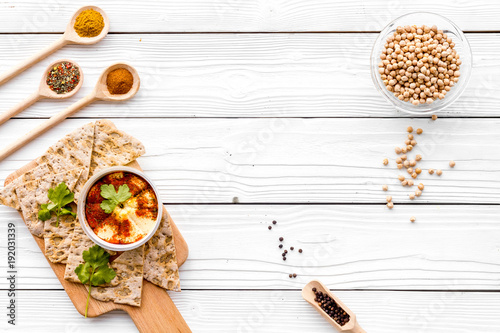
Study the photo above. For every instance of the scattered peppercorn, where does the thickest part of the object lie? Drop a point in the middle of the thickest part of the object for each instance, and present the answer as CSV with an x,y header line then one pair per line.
x,y
269,227
290,276
300,250
331,308
281,239
294,275
284,258
285,252
274,222
291,248
280,246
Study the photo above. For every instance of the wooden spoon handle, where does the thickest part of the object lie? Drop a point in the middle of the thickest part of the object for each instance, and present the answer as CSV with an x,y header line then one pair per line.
x,y
357,329
157,312
33,59
53,121
20,107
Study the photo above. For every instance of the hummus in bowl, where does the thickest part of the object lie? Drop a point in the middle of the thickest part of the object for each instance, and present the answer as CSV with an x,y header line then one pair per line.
x,y
119,208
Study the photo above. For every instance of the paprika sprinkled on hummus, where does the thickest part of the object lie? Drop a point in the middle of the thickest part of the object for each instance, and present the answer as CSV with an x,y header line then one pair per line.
x,y
130,220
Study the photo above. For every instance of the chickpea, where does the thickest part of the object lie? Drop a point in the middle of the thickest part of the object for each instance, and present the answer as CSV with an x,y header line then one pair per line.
x,y
414,175
400,166
397,150
413,163
418,157
418,171
390,205
399,160
404,182
409,129
410,136
401,178
385,161
434,117
407,142
404,157
413,142
421,187
385,187
410,182
409,148
406,163
404,150
388,198
439,172
409,170
419,131
412,219
418,193
412,196
452,164
431,171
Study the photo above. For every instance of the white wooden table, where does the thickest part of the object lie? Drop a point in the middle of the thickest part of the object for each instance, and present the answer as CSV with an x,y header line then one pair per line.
x,y
270,104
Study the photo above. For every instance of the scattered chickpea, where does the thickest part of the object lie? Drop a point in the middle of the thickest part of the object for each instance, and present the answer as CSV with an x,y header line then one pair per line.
x,y
409,148
385,161
401,178
404,157
390,205
413,163
399,160
419,131
418,193
434,117
400,166
412,219
414,175
406,163
431,171
410,170
421,187
452,164
439,172
388,198
410,136
407,142
410,182
397,150
409,129
418,171
404,182
413,142
404,150
385,187
412,196
418,157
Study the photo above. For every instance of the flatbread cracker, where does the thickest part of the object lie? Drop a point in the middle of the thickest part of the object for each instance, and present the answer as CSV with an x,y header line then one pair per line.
x,y
8,196
113,147
72,151
32,194
79,242
129,269
58,238
160,258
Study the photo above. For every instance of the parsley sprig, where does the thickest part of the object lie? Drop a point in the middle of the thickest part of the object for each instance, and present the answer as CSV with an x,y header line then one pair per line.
x,y
95,271
60,197
113,198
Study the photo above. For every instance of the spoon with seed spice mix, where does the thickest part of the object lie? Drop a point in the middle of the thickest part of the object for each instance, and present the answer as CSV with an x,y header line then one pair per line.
x,y
100,92
90,24
62,79
309,294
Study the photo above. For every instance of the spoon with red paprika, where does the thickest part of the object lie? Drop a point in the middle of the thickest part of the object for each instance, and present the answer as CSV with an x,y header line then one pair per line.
x,y
102,91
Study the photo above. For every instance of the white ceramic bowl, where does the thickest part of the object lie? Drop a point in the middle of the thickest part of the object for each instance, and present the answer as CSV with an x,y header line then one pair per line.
x,y
461,45
83,220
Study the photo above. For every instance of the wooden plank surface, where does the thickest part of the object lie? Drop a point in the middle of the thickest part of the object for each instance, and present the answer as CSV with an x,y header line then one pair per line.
x,y
282,311
247,15
240,75
298,160
345,246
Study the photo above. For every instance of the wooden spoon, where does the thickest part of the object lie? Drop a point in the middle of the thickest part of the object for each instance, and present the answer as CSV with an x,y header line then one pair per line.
x,y
100,92
70,36
351,326
43,91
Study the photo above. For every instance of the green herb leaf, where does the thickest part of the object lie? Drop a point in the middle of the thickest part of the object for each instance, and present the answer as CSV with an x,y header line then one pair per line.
x,y
113,198
95,271
60,197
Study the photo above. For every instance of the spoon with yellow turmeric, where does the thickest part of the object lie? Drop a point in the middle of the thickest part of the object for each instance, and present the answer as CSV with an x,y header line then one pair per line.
x,y
88,25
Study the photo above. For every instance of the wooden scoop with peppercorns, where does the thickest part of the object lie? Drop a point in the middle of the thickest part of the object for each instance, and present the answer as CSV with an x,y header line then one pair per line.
x,y
331,308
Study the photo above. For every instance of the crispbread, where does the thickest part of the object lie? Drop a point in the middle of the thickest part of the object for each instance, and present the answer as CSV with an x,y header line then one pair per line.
x,y
79,242
129,269
72,151
8,196
113,147
32,194
160,259
58,238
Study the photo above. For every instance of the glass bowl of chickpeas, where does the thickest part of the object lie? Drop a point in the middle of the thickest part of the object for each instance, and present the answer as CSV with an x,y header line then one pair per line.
x,y
421,63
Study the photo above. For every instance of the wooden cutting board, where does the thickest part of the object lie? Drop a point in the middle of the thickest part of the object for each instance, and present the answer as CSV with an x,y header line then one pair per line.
x,y
157,312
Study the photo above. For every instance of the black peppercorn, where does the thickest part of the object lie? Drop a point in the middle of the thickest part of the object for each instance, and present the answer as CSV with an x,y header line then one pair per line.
x,y
294,275
269,227
285,251
281,239
284,258
330,307
290,276
280,246
291,248
274,222
300,250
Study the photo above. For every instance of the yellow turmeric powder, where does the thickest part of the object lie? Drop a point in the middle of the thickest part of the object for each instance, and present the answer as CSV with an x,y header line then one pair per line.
x,y
89,23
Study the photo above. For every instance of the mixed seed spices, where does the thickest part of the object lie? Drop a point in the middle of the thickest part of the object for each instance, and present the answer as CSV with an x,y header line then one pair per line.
x,y
285,252
331,307
63,77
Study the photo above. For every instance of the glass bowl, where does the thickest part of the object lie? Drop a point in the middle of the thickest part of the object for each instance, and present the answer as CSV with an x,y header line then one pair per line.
x,y
461,45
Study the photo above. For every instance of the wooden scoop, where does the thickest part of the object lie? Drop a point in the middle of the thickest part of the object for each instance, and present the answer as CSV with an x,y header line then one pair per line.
x,y
100,92
43,91
69,37
351,326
